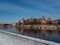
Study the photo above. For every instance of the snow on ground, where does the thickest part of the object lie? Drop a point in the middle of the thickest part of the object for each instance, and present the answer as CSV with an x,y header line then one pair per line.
x,y
6,39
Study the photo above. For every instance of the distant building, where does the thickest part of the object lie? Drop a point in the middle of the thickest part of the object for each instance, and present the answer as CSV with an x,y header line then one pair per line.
x,y
49,21
43,21
13,24
40,21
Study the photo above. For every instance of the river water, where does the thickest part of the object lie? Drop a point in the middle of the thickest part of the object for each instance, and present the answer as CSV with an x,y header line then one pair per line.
x,y
50,35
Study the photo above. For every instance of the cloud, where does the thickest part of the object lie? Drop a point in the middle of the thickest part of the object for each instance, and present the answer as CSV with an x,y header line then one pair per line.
x,y
47,5
18,9
56,2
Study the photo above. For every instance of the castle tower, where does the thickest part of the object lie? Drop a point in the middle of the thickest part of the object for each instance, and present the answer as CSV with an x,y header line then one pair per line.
x,y
49,21
43,20
22,21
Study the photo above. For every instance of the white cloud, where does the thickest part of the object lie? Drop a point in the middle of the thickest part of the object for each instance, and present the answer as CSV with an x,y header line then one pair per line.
x,y
23,10
48,7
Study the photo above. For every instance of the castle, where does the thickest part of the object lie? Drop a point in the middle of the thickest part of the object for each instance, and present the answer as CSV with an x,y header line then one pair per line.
x,y
40,21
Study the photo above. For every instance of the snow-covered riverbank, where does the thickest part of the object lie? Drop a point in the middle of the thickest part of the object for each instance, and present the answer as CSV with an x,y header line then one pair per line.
x,y
7,38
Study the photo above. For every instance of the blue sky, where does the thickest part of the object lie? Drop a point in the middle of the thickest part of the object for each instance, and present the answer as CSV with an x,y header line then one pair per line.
x,y
11,11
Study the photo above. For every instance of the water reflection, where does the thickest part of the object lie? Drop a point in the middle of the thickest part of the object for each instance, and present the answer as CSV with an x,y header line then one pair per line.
x,y
42,32
51,35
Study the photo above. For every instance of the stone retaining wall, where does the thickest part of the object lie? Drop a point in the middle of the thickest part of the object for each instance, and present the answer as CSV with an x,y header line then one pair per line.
x,y
49,27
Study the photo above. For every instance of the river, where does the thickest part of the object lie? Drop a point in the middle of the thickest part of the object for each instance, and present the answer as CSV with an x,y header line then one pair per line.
x,y
50,35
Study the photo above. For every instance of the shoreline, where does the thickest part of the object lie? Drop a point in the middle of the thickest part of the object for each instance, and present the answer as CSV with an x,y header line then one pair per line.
x,y
35,27
43,42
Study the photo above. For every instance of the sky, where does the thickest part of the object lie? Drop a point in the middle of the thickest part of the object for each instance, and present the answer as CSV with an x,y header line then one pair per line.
x,y
11,11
